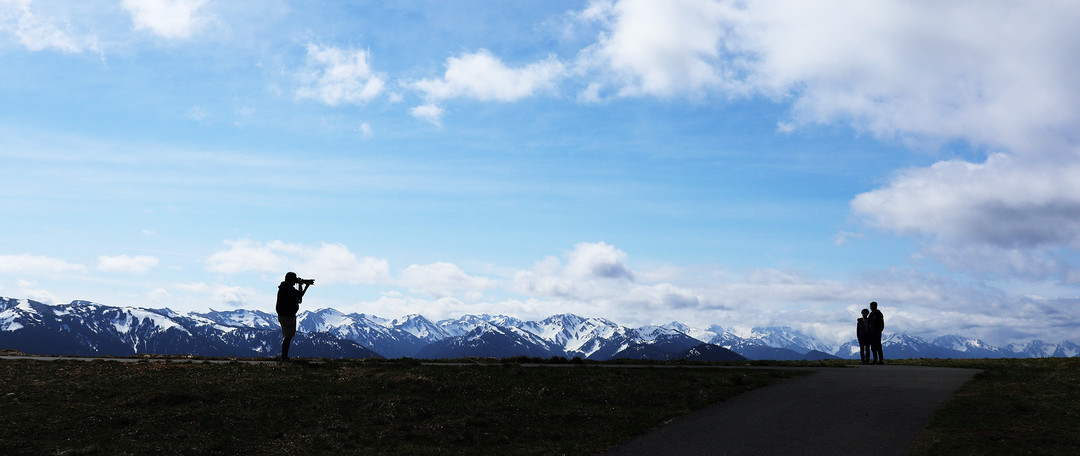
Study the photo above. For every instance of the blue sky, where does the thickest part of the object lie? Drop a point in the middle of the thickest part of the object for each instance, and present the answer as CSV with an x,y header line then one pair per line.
x,y
730,163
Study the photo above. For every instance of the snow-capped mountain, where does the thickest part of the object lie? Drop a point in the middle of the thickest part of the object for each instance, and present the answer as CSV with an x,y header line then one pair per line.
x,y
785,337
710,352
420,327
380,335
89,329
1040,349
461,326
661,345
242,318
971,348
492,341
706,335
578,336
85,328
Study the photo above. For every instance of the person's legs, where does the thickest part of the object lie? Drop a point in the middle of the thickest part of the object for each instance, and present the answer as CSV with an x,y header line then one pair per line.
x,y
864,352
288,330
875,348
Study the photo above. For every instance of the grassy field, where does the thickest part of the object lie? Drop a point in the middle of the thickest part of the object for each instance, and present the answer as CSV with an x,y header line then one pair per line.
x,y
1017,406
339,407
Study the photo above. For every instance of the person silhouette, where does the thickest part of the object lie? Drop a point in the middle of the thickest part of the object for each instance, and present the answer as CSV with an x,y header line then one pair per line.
x,y
288,303
877,325
862,331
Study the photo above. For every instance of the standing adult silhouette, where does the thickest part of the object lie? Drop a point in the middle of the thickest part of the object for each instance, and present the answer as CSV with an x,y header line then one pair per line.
x,y
877,325
862,331
290,294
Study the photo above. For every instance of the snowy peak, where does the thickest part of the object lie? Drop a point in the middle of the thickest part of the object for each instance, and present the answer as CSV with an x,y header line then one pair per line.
x,y
241,318
650,333
786,337
460,326
420,327
83,327
704,335
970,346
571,332
491,340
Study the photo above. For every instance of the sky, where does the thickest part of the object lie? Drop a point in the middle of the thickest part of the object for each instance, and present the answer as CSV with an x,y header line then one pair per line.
x,y
740,164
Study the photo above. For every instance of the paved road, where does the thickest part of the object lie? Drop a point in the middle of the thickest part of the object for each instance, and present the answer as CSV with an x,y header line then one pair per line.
x,y
863,410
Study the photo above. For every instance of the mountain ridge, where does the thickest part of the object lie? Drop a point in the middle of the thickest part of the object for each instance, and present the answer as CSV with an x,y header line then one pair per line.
x,y
87,328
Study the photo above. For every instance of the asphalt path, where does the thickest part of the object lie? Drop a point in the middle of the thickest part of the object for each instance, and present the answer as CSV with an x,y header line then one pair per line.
x,y
867,410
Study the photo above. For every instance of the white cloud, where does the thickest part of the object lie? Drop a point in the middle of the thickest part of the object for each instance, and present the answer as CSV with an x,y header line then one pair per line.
x,y
245,255
328,263
992,74
333,263
428,113
38,295
139,264
1002,262
335,75
592,270
597,260
233,296
1007,217
659,48
442,279
40,32
167,18
997,76
482,76
1006,202
36,264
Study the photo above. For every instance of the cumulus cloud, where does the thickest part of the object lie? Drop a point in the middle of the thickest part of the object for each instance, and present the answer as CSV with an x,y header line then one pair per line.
x,y
442,279
245,255
233,296
998,77
595,275
333,263
658,48
167,18
37,32
429,113
598,260
139,264
482,76
1006,216
591,270
28,290
1006,202
336,75
329,263
36,264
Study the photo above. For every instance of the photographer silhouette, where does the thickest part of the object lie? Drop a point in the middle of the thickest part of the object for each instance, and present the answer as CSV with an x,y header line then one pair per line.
x,y
288,303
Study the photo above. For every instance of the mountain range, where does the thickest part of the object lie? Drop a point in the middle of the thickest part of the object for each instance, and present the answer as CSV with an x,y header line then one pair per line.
x,y
89,329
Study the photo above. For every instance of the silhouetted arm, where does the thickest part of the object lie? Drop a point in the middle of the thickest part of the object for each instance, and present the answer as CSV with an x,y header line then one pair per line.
x,y
303,289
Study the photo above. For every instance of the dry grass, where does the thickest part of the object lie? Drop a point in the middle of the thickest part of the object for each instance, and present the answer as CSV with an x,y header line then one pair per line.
x,y
344,407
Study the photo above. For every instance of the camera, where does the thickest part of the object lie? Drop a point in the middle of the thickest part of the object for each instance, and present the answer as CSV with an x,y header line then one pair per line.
x,y
308,282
